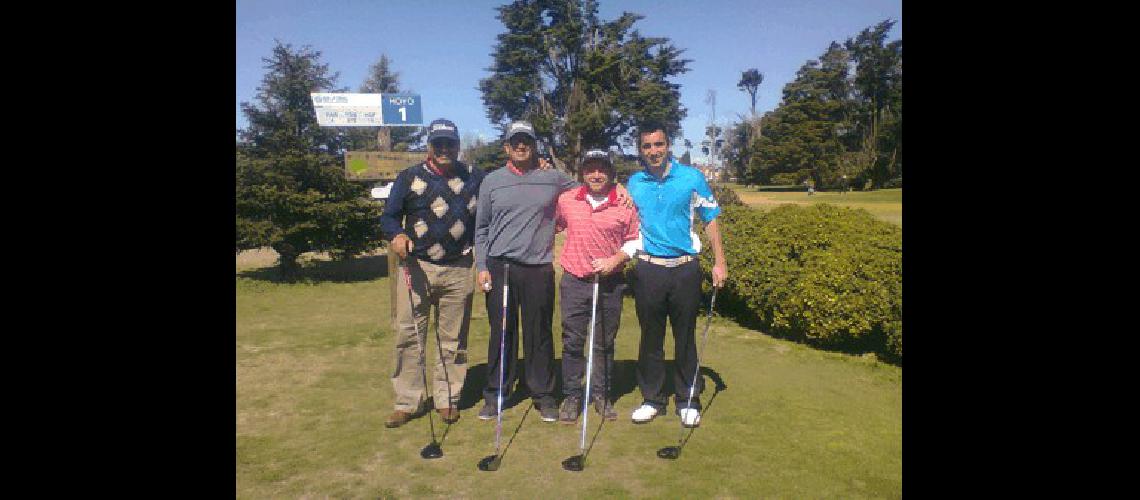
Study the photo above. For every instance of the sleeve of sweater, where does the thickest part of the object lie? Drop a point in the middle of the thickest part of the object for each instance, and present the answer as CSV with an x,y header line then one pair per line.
x,y
482,223
391,219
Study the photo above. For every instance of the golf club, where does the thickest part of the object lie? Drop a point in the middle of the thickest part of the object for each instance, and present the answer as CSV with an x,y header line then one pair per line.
x,y
672,452
577,462
432,450
443,362
491,463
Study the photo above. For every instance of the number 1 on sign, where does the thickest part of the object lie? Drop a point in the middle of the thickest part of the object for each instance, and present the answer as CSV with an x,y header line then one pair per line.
x,y
403,114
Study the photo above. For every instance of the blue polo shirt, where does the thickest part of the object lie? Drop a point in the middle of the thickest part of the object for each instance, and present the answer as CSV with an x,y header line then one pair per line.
x,y
667,205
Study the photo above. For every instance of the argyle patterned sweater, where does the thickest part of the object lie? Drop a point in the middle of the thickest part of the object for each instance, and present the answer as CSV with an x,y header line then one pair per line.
x,y
436,212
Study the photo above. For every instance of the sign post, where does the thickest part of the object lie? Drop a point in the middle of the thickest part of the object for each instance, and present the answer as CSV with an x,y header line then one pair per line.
x,y
370,110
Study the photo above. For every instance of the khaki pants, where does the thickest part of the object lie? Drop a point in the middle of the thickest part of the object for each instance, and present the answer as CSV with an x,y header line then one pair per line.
x,y
448,287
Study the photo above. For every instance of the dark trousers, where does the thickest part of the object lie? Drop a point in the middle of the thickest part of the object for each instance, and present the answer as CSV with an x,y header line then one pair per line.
x,y
576,304
674,293
532,292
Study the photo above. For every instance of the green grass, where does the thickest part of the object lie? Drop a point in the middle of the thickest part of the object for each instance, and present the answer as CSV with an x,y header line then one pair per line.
x,y
313,361
885,204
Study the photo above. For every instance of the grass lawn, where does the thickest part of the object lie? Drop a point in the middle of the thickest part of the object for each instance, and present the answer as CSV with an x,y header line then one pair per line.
x,y
313,366
886,204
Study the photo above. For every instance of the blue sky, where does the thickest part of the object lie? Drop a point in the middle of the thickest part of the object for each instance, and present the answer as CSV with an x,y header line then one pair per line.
x,y
442,48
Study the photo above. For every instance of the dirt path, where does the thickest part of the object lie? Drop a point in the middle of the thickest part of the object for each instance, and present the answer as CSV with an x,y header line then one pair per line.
x,y
265,257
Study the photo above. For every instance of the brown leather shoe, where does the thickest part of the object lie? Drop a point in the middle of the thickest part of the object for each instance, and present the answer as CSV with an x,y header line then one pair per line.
x,y
449,415
397,418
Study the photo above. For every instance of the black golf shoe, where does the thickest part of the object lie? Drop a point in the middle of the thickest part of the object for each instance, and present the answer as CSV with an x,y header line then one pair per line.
x,y
605,408
548,410
488,412
571,406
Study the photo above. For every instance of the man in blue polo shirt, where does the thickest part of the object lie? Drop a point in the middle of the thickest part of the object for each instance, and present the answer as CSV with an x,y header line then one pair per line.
x,y
668,195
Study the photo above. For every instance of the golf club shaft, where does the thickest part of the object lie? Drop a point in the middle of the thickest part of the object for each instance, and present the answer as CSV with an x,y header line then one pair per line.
x,y
420,340
438,345
443,363
589,365
704,337
502,349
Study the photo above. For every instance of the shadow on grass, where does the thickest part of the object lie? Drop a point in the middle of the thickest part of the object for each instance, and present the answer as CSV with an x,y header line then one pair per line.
x,y
670,386
779,189
687,434
355,269
623,381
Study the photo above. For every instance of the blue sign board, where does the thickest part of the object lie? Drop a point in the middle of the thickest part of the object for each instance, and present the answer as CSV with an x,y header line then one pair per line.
x,y
401,109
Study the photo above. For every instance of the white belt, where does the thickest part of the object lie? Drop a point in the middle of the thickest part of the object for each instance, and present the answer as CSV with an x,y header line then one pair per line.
x,y
667,262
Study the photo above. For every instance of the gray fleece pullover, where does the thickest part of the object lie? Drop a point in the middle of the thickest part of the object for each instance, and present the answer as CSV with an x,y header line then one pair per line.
x,y
514,217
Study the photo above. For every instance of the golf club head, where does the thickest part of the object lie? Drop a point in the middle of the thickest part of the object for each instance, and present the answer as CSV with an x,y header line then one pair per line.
x,y
574,463
431,451
669,452
490,463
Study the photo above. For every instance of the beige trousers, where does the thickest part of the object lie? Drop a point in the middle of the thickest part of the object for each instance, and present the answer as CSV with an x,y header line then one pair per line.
x,y
448,287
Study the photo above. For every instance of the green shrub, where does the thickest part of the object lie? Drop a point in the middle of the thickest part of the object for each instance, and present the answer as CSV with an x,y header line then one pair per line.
x,y
895,182
786,179
726,196
831,276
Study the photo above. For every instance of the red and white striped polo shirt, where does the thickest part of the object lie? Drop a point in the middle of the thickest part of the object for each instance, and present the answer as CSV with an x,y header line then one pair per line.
x,y
592,233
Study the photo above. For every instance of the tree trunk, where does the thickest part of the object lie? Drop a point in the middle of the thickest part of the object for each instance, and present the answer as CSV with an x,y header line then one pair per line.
x,y
384,139
287,263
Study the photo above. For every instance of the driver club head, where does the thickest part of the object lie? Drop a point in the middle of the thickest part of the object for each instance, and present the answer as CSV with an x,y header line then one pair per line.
x,y
431,451
574,463
490,463
669,452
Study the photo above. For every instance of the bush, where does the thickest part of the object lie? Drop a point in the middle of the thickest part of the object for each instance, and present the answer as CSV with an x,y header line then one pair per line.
x,y
786,179
726,196
827,275
892,183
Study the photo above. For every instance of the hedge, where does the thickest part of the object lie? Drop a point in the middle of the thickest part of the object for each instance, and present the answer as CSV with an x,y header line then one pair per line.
x,y
827,275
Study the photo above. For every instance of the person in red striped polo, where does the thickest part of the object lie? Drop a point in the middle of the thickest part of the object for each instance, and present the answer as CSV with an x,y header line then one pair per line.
x,y
601,235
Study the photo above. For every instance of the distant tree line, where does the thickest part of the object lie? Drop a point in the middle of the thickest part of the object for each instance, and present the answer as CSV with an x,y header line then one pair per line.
x,y
841,116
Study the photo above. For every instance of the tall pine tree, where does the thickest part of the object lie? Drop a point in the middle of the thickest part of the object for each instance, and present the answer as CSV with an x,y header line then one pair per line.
x,y
291,191
582,81
804,137
878,96
382,79
842,115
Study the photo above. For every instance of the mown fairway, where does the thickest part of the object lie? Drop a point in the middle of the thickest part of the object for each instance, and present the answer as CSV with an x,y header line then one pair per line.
x,y
313,390
886,204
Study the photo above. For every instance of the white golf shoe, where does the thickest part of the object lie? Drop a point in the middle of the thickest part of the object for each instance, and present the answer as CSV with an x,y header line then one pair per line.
x,y
643,414
690,417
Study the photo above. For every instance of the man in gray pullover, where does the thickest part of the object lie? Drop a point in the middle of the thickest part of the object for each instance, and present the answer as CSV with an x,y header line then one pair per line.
x,y
514,224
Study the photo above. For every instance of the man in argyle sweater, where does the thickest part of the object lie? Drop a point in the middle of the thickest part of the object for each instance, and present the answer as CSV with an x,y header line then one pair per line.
x,y
429,218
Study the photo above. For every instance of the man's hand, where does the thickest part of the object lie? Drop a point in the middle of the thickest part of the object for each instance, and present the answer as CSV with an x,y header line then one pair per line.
x,y
543,164
719,274
609,264
402,245
623,197
484,281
